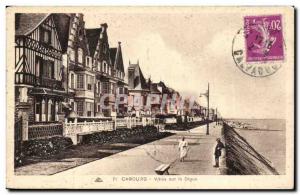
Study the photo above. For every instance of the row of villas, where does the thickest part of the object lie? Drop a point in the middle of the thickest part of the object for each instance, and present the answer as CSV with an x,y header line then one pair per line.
x,y
60,66
62,69
146,89
175,104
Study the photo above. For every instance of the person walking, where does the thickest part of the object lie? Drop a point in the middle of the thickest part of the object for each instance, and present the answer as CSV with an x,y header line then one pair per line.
x,y
183,149
218,152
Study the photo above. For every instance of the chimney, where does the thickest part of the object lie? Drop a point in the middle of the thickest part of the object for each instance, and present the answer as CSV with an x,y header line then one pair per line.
x,y
104,26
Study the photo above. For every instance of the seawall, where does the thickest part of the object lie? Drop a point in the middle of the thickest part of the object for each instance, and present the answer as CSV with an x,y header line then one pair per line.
x,y
241,158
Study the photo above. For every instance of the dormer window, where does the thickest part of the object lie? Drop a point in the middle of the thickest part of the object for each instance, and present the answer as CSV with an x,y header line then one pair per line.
x,y
45,36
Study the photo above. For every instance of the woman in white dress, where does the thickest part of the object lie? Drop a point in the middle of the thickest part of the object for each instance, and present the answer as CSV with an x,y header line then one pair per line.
x,y
183,149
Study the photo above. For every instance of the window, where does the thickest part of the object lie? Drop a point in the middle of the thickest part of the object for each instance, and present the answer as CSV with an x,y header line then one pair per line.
x,y
50,110
89,86
89,81
72,55
99,87
121,90
48,69
112,91
88,62
80,55
80,108
37,111
72,105
45,36
89,108
105,87
104,67
38,64
43,110
80,81
72,81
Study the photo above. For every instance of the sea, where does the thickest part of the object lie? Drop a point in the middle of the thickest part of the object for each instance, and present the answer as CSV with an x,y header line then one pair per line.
x,y
267,136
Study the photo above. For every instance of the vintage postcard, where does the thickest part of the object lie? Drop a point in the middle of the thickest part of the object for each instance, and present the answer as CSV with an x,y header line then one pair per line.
x,y
150,97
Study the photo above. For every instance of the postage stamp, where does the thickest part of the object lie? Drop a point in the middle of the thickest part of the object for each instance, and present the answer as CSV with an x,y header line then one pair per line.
x,y
258,49
264,38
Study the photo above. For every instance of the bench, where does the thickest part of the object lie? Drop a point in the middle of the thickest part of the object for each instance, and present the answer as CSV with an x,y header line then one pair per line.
x,y
162,169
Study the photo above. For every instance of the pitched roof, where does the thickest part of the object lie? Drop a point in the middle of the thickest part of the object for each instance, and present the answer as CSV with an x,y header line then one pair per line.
x,y
26,22
62,23
93,37
117,57
112,54
153,88
141,79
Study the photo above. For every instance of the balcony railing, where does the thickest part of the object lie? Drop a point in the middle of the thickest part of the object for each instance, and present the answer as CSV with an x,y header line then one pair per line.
x,y
30,79
49,83
24,78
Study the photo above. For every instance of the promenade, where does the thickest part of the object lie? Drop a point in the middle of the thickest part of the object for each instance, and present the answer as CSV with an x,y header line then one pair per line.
x,y
143,160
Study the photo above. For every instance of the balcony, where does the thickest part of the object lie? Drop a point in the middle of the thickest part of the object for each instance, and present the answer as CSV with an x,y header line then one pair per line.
x,y
24,78
49,83
81,93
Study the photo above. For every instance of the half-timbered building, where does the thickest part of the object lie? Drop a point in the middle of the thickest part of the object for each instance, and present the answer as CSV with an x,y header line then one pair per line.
x,y
39,73
81,76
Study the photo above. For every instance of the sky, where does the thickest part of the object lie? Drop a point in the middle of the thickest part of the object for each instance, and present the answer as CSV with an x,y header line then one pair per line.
x,y
188,50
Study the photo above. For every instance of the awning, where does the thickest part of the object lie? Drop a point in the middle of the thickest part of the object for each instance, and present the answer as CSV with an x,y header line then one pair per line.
x,y
47,92
66,105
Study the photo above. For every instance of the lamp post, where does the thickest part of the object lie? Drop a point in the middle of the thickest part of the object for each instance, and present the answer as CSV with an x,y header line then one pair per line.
x,y
207,114
216,116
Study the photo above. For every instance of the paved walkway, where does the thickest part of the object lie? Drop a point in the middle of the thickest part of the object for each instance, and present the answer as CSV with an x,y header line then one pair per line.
x,y
143,159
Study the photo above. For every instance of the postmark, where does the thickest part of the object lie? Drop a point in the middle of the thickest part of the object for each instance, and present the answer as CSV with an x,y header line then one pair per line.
x,y
258,48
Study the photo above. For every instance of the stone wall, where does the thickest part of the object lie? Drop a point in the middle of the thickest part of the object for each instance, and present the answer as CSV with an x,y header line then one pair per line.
x,y
242,158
